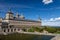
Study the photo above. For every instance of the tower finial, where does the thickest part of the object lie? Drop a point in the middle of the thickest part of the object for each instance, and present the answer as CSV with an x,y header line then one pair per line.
x,y
39,19
9,9
17,15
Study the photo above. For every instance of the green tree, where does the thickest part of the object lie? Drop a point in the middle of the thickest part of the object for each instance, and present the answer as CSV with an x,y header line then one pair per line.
x,y
51,30
31,30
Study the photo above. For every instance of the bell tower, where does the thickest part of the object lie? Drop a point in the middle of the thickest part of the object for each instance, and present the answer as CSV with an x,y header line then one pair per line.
x,y
9,15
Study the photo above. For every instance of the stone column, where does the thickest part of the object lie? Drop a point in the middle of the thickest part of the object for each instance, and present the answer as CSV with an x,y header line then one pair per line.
x,y
13,29
21,30
9,30
0,29
6,30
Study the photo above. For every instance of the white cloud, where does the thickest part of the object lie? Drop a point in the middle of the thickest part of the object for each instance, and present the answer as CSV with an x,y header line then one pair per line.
x,y
52,22
53,19
57,18
47,1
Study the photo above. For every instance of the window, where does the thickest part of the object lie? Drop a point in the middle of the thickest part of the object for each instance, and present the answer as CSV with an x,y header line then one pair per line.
x,y
11,26
4,30
18,29
15,29
8,30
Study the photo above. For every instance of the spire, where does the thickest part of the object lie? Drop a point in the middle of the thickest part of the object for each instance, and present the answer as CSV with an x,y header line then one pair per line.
x,y
17,15
39,19
9,14
9,10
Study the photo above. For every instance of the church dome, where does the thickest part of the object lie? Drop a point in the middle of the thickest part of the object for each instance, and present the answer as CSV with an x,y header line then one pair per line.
x,y
9,15
9,11
22,17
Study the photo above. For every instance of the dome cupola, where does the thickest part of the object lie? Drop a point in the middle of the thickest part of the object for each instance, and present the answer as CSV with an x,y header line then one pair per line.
x,y
9,15
22,17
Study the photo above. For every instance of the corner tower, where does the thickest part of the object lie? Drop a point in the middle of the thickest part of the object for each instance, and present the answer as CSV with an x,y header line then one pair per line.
x,y
9,15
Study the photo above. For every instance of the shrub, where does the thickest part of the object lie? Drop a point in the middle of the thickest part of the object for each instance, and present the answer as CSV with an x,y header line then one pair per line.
x,y
31,30
51,30
37,29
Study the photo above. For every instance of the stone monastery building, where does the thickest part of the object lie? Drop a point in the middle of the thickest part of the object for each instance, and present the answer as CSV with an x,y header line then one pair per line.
x,y
12,23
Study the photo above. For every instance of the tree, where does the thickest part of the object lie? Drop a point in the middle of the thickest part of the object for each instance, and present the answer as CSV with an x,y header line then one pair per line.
x,y
51,30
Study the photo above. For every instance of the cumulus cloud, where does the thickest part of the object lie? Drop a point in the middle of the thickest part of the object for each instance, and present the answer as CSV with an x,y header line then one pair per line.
x,y
53,19
52,22
47,1
57,18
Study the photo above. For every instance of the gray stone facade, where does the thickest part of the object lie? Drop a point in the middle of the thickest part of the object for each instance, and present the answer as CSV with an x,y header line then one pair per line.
x,y
17,24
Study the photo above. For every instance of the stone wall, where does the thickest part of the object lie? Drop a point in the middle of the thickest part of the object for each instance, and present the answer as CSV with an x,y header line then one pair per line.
x,y
25,23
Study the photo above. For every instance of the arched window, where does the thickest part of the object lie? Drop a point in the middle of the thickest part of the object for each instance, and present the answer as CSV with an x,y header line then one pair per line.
x,y
4,30
8,30
15,29
18,29
24,29
11,26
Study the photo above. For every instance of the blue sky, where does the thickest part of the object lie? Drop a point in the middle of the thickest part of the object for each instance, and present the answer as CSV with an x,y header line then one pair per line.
x,y
47,10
